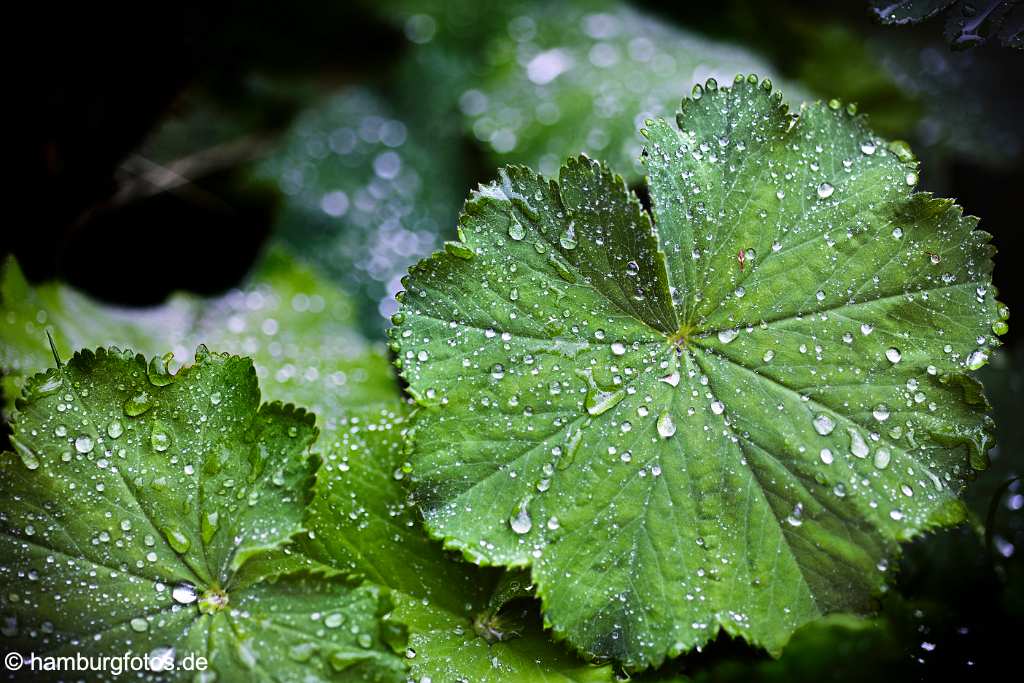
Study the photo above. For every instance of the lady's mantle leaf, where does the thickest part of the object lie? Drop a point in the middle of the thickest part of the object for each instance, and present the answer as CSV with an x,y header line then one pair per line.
x,y
133,501
724,422
363,523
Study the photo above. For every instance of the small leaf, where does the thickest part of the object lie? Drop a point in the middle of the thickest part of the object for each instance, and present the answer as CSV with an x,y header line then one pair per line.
x,y
725,421
132,528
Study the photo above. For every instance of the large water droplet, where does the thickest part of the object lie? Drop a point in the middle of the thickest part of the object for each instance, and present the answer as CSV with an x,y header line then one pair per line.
x,y
138,404
84,444
825,190
893,355
520,521
882,458
597,401
726,336
666,426
160,439
177,539
516,230
823,424
858,446
184,593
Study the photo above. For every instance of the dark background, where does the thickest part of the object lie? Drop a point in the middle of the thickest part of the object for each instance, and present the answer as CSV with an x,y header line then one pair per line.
x,y
102,78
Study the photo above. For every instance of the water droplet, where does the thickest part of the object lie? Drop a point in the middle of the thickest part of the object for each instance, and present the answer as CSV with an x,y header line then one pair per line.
x,y
726,336
215,398
858,446
184,593
671,379
138,404
976,360
139,625
893,355
768,356
618,348
159,439
825,190
159,370
84,444
882,458
632,269
795,518
597,401
177,539
568,238
826,456
666,426
115,429
866,329
516,230
717,407
334,620
868,148
520,521
881,413
823,424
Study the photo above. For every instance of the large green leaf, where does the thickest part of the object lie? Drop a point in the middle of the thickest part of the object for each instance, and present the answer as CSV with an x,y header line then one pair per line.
x,y
134,500
298,328
364,524
725,422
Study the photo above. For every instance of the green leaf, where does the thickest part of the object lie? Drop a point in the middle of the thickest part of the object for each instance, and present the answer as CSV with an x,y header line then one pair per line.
x,y
678,440
134,499
564,79
298,328
364,524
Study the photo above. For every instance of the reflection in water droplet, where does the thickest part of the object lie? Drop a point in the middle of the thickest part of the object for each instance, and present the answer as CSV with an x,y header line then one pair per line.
x,y
857,444
726,336
184,593
825,190
823,424
893,355
520,521
882,458
666,426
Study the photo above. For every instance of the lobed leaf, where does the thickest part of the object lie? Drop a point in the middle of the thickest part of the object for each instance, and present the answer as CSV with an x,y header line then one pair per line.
x,y
135,503
726,419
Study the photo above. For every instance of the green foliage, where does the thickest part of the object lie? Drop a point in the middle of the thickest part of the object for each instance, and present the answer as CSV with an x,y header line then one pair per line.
x,y
366,525
768,386
566,79
136,500
366,194
296,326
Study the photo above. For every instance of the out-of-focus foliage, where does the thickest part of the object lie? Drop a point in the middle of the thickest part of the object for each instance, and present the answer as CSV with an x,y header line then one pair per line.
x,y
364,194
299,329
969,23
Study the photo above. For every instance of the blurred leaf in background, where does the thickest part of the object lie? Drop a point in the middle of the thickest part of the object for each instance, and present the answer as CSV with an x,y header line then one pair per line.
x,y
364,196
968,23
298,328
